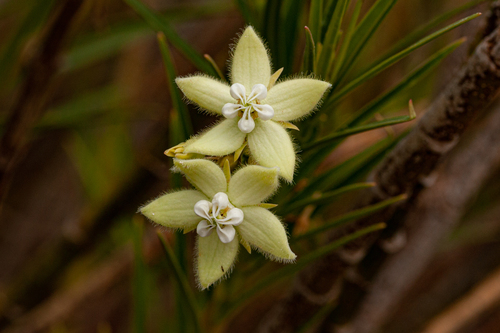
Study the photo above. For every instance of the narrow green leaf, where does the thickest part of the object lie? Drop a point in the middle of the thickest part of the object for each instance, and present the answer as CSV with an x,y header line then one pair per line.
x,y
329,6
272,25
309,62
332,74
363,33
302,262
36,16
159,23
355,130
370,109
215,67
323,197
247,13
332,36
339,175
315,19
292,10
183,118
348,217
182,282
421,31
139,283
374,70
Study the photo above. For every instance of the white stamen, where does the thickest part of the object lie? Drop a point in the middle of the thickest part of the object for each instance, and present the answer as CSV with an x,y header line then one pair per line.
x,y
246,105
218,214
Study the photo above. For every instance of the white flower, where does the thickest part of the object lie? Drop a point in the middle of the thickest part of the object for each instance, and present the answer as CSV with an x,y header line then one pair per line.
x,y
258,117
246,105
218,214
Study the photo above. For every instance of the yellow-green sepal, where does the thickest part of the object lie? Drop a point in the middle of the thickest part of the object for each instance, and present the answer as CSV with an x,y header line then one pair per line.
x,y
174,210
252,184
208,93
295,99
263,229
205,175
214,259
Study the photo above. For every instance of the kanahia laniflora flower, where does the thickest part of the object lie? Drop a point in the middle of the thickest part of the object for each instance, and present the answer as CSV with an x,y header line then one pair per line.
x,y
224,212
257,110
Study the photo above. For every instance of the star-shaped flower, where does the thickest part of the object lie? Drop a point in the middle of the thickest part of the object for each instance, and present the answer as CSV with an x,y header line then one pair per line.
x,y
230,208
256,109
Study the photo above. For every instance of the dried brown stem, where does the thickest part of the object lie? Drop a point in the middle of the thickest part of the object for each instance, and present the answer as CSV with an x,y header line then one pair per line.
x,y
32,97
436,211
406,168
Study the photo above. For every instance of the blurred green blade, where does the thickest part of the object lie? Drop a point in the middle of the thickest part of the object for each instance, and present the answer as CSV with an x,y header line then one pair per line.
x,y
272,25
139,283
421,31
305,260
313,160
308,64
183,119
290,28
322,197
315,19
395,58
339,175
355,130
327,55
182,282
247,13
36,16
159,23
369,110
348,217
363,33
345,43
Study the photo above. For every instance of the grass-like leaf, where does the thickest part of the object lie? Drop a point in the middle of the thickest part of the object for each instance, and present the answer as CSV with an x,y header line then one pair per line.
x,y
323,197
183,118
315,19
159,23
182,282
348,217
302,262
360,129
363,32
309,61
332,35
374,70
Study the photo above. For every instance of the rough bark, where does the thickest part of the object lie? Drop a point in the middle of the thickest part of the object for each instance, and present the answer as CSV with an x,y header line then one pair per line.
x,y
407,167
434,214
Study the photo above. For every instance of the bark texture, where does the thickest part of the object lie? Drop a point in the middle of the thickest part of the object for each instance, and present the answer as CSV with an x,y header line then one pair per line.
x,y
405,169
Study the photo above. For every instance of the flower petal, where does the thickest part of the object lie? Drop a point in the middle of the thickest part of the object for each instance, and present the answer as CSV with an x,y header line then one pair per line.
x,y
219,202
265,111
222,139
251,64
202,209
234,217
262,229
252,184
205,175
226,234
208,93
204,228
238,92
214,259
271,146
246,123
230,110
295,98
175,210
259,91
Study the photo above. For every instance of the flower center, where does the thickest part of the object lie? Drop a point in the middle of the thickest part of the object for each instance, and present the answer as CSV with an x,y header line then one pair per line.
x,y
248,107
220,215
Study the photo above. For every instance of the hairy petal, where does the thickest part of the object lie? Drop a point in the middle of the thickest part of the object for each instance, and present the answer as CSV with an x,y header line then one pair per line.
x,y
175,210
295,98
205,175
271,146
252,184
251,63
214,258
222,139
263,229
208,93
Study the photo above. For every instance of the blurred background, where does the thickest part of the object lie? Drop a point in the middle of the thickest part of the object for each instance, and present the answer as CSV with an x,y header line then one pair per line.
x,y
74,254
